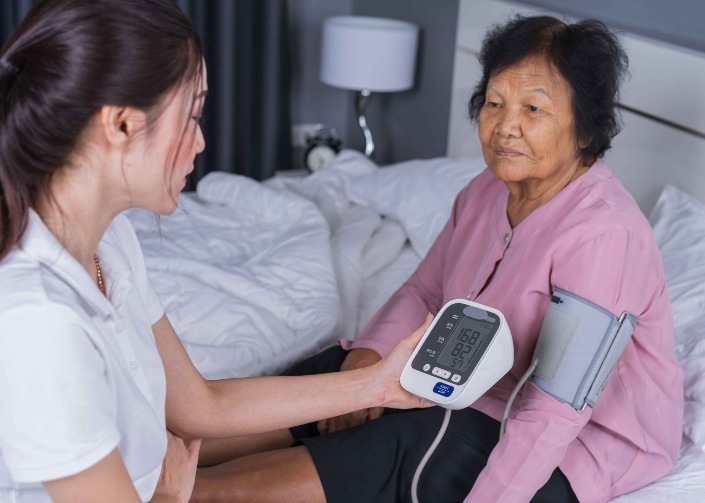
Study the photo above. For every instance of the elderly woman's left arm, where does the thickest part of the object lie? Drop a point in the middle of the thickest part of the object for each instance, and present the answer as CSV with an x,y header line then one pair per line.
x,y
612,270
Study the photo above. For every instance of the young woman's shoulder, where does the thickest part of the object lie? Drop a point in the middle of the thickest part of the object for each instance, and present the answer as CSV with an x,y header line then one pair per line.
x,y
36,311
22,283
34,300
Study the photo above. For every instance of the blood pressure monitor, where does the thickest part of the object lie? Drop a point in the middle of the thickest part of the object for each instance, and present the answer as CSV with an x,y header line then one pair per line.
x,y
464,352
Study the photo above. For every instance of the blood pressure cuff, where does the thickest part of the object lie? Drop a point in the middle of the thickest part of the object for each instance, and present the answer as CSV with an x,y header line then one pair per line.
x,y
579,345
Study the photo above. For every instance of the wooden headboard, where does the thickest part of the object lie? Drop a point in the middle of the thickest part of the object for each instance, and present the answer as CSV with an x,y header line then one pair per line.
x,y
663,106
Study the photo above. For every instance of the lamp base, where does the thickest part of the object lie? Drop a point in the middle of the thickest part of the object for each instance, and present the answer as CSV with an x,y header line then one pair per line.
x,y
361,100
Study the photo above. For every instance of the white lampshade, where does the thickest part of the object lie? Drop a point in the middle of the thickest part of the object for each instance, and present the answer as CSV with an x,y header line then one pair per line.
x,y
376,54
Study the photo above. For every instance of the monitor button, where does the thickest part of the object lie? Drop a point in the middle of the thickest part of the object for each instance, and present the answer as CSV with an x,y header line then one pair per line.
x,y
426,367
443,389
455,378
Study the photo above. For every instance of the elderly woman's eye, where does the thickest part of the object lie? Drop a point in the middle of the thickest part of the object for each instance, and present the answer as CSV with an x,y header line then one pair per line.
x,y
492,104
533,108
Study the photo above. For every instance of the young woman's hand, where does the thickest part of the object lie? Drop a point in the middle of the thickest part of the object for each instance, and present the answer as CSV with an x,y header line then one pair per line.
x,y
390,369
178,470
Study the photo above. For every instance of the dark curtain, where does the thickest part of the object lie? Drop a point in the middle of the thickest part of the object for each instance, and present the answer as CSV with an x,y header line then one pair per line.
x,y
246,123
11,12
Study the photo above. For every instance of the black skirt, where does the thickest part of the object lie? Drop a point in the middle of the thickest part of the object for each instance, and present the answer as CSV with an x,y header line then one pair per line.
x,y
376,461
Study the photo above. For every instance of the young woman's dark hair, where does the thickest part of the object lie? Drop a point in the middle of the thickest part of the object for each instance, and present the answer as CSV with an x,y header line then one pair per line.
x,y
587,56
66,60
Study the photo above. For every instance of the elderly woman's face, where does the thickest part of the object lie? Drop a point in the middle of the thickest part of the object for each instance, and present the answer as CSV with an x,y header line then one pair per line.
x,y
526,125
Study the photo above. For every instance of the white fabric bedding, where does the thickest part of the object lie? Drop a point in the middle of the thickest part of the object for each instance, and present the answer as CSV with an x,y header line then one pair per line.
x,y
257,276
245,275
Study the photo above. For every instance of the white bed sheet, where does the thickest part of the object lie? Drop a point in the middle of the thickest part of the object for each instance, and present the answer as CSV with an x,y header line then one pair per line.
x,y
245,275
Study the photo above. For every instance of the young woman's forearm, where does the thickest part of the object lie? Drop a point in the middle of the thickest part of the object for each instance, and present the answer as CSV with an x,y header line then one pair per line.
x,y
253,405
303,399
196,408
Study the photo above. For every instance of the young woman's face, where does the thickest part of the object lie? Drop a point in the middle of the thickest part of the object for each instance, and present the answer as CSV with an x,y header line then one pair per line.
x,y
170,148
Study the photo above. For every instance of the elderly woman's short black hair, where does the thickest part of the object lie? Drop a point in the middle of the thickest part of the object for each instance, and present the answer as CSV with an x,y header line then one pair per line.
x,y
586,54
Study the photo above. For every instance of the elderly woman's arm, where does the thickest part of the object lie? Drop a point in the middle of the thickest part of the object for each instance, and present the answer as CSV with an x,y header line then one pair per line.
x,y
615,271
533,445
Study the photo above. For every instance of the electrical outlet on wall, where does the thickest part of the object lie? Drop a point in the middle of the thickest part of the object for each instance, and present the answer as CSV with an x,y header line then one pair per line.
x,y
301,132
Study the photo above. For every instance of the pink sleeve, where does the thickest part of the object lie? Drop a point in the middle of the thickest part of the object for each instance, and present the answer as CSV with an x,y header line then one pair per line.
x,y
614,271
533,444
422,293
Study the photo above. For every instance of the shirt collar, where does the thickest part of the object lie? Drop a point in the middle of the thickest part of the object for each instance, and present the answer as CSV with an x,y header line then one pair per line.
x,y
598,171
115,268
39,243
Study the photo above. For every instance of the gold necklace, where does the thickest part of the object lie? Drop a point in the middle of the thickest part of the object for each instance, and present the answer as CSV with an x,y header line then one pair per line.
x,y
99,274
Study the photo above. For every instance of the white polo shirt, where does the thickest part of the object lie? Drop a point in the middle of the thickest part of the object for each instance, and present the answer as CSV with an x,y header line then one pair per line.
x,y
79,374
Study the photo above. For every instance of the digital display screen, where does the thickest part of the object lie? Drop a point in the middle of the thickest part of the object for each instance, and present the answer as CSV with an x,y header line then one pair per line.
x,y
463,344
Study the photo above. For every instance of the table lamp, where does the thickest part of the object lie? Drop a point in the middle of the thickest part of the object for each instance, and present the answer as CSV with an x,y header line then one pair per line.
x,y
366,55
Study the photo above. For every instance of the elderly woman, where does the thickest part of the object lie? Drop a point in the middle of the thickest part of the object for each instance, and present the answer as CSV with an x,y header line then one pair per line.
x,y
548,213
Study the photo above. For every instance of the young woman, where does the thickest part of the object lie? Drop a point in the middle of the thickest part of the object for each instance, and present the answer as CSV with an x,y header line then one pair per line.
x,y
99,109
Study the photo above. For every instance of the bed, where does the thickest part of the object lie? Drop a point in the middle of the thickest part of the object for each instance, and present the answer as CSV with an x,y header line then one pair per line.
x,y
256,276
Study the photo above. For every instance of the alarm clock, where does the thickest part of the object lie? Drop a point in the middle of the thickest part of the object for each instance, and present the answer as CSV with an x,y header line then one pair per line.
x,y
321,148
465,351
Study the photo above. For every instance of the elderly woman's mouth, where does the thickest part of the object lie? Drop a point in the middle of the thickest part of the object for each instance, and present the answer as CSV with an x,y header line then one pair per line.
x,y
507,152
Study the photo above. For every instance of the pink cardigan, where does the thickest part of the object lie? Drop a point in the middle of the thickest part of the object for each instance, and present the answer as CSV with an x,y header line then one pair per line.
x,y
592,240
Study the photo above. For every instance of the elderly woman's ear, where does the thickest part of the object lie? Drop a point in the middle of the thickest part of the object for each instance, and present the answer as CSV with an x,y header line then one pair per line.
x,y
583,145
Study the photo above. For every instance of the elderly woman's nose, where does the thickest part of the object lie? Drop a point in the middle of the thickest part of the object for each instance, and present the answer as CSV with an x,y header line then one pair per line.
x,y
508,123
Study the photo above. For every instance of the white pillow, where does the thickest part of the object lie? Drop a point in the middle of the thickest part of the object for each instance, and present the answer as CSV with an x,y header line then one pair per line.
x,y
418,194
678,221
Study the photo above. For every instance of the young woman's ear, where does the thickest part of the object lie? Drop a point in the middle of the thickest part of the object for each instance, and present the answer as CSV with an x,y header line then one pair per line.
x,y
121,124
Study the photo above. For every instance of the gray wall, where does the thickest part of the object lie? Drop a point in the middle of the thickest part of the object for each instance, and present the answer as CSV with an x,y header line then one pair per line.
x,y
678,22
